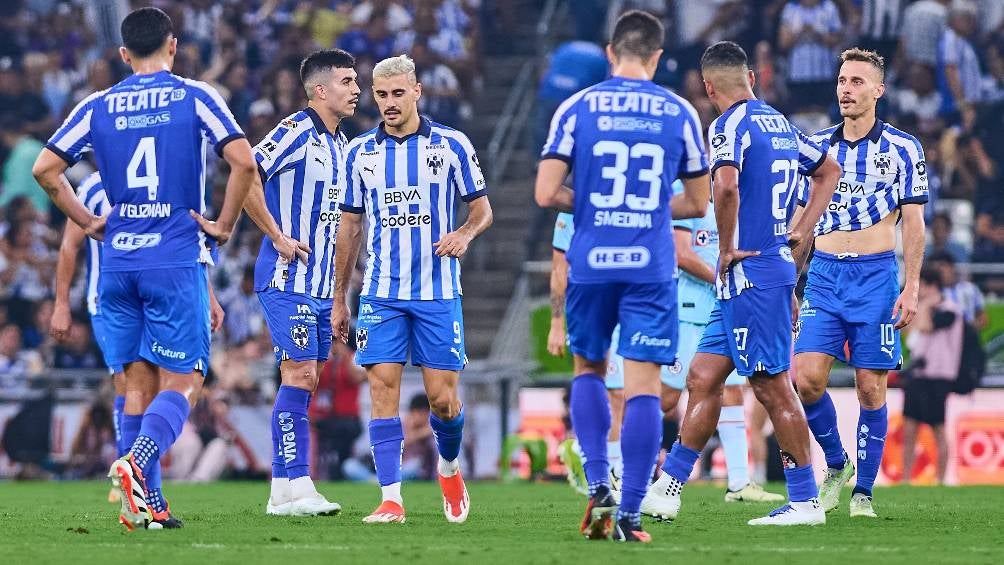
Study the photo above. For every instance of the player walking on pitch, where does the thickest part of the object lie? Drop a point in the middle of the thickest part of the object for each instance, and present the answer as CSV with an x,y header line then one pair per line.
x,y
302,163
405,176
756,159
149,133
626,140
852,294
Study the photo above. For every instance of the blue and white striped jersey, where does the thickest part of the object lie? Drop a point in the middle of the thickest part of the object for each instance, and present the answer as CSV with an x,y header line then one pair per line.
x,y
881,171
302,166
770,154
149,134
407,188
91,194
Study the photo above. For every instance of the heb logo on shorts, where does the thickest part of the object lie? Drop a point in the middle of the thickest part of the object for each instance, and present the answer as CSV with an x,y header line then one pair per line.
x,y
638,338
125,241
165,352
635,257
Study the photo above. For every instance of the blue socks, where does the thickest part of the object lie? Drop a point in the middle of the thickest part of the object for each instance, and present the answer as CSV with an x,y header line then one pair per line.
x,y
641,436
589,408
162,423
387,443
290,416
449,434
278,462
822,418
680,462
118,409
872,427
801,483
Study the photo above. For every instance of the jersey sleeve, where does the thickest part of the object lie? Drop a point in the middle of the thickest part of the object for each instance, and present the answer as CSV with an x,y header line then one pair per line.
x,y
694,163
810,154
726,138
563,230
560,142
353,196
281,147
468,179
73,138
215,119
913,176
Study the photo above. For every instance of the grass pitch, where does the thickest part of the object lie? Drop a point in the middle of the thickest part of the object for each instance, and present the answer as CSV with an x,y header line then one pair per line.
x,y
70,523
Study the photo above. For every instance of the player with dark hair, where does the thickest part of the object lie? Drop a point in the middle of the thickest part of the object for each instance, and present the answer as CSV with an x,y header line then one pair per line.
x,y
852,294
756,159
149,134
302,165
626,140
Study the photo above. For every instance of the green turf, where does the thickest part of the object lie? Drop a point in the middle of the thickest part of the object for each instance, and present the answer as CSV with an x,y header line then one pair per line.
x,y
69,523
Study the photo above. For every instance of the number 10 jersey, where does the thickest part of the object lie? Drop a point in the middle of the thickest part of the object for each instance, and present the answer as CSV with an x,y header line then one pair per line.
x,y
626,142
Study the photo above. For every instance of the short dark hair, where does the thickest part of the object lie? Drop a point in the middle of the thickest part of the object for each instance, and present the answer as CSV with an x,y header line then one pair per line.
x,y
931,276
145,30
637,34
865,56
726,55
323,60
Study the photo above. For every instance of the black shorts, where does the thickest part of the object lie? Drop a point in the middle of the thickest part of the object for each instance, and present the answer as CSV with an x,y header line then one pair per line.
x,y
924,400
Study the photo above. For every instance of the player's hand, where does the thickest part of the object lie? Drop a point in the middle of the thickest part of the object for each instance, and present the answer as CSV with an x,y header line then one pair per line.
x,y
453,244
340,317
216,315
59,326
729,257
556,339
96,229
213,229
905,308
289,248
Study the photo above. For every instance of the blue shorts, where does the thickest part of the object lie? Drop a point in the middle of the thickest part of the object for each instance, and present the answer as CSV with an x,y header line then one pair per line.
x,y
299,323
675,375
646,314
850,301
433,331
160,315
100,331
753,329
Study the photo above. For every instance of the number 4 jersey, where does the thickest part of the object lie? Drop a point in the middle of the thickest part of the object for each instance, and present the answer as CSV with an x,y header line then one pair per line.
x,y
149,135
770,154
626,141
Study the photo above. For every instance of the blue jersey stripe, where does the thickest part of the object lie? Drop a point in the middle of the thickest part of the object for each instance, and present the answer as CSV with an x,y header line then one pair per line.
x,y
437,288
415,232
390,170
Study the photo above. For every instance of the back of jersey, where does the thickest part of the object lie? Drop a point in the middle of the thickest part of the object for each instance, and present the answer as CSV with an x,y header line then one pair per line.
x,y
627,141
149,135
770,154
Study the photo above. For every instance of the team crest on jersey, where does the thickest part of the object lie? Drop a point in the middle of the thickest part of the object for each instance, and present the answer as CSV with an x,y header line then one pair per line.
x,y
883,163
300,335
718,140
362,338
921,168
676,367
435,162
702,238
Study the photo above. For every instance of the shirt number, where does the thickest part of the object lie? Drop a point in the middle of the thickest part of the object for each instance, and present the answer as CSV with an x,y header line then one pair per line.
x,y
781,192
616,173
147,157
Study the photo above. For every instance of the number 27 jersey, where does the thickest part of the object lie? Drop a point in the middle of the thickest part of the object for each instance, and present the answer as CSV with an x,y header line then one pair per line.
x,y
626,142
149,135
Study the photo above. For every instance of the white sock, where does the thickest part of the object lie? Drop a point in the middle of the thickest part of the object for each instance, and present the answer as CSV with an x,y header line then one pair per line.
x,y
448,468
392,492
302,487
281,491
732,431
615,458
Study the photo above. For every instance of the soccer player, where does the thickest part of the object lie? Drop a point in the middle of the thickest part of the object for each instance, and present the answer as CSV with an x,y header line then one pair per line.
x,y
756,159
405,176
302,164
625,140
852,294
149,134
557,340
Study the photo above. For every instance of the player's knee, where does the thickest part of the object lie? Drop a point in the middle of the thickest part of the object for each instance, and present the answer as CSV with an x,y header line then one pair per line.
x,y
810,389
705,382
871,395
444,406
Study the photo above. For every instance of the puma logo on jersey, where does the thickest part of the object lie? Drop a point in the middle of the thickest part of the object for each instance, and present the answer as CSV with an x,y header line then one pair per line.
x,y
888,350
745,359
370,170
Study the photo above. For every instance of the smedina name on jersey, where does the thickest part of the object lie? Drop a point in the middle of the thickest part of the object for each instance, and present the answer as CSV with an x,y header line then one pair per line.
x,y
617,219
145,99
151,210
631,102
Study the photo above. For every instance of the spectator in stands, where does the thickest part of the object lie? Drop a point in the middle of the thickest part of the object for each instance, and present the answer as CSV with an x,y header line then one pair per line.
x,y
93,448
699,23
14,360
20,99
962,293
419,458
26,266
372,42
334,409
880,26
99,75
201,452
919,96
78,349
942,241
244,321
960,79
810,33
935,342
36,334
923,23
324,20
398,18
440,88
16,177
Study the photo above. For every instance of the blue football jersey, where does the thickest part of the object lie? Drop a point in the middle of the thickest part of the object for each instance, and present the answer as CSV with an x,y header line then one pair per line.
x,y
626,141
149,135
770,154
696,297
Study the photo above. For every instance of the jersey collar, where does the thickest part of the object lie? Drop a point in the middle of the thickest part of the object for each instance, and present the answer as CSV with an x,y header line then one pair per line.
x,y
319,123
424,129
874,134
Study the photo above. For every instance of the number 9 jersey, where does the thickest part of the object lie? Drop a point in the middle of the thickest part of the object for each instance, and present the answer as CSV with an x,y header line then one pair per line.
x,y
149,135
626,141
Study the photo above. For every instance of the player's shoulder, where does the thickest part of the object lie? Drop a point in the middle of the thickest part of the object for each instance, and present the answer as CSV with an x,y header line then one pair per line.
x,y
824,135
572,102
675,98
451,135
731,118
899,137
198,88
362,140
286,133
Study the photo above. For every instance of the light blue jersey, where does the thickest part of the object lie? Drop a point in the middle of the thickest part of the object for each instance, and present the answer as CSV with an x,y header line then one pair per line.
x,y
564,228
696,297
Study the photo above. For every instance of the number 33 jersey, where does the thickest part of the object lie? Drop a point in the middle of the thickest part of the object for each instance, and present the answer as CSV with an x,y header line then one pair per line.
x,y
626,141
149,135
770,154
